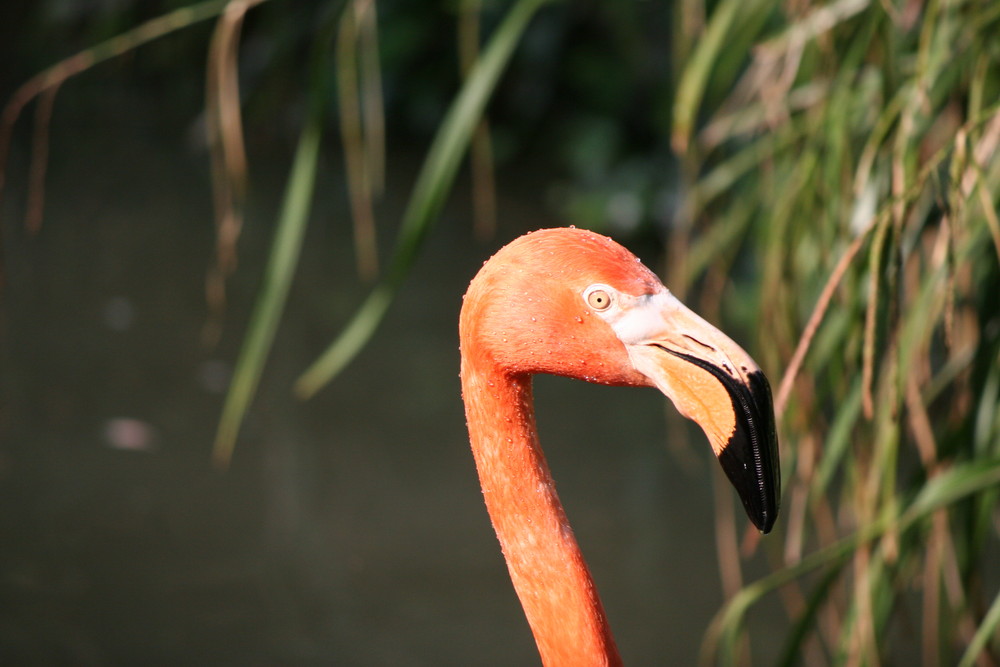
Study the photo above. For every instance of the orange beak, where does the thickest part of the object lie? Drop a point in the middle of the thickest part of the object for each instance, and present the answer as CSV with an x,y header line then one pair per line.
x,y
714,382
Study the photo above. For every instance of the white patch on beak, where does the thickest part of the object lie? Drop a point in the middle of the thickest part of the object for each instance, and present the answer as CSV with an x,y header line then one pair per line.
x,y
661,319
638,319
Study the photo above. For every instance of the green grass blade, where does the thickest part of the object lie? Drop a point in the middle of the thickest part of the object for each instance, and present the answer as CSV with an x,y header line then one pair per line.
x,y
433,184
987,630
837,441
986,443
807,621
717,59
717,239
726,174
280,269
960,482
695,77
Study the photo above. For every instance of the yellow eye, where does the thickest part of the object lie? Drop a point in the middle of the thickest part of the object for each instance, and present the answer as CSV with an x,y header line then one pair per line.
x,y
599,299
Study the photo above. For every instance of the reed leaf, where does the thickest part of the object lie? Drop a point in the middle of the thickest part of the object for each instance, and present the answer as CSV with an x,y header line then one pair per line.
x,y
358,167
807,619
280,269
986,632
432,186
696,74
956,484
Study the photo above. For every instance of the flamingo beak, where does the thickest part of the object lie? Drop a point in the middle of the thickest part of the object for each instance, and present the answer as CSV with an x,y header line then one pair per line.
x,y
713,381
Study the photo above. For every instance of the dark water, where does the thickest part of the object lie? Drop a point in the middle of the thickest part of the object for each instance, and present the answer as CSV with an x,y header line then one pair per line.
x,y
350,529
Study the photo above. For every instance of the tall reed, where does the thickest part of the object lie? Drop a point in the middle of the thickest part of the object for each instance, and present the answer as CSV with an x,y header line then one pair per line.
x,y
845,187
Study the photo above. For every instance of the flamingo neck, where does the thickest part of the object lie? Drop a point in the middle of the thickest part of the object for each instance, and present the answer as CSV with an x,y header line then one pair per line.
x,y
545,563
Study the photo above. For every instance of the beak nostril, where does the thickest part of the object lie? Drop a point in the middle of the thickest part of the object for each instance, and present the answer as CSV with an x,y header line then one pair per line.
x,y
695,340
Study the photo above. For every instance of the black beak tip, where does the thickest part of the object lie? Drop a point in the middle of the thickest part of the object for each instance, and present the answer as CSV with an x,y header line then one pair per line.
x,y
750,458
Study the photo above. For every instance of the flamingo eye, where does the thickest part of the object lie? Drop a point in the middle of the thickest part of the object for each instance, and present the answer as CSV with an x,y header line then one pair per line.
x,y
598,299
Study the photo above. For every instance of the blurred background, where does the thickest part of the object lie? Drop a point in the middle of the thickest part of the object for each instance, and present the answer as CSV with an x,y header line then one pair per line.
x,y
211,211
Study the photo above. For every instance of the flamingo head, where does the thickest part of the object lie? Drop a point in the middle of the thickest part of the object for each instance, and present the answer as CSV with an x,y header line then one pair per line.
x,y
574,303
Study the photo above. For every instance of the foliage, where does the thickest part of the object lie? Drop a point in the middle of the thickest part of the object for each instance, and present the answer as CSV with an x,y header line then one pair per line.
x,y
848,174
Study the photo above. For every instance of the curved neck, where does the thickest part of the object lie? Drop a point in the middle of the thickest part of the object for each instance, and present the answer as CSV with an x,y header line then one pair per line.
x,y
544,560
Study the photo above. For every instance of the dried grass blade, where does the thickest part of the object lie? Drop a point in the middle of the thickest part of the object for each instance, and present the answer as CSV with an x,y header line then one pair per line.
x,y
224,121
352,135
79,62
484,200
812,325
372,103
39,160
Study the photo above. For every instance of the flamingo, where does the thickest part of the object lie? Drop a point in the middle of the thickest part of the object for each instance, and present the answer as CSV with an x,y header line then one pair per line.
x,y
575,303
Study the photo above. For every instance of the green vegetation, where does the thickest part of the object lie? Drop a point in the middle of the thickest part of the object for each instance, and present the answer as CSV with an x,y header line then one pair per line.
x,y
854,150
825,181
